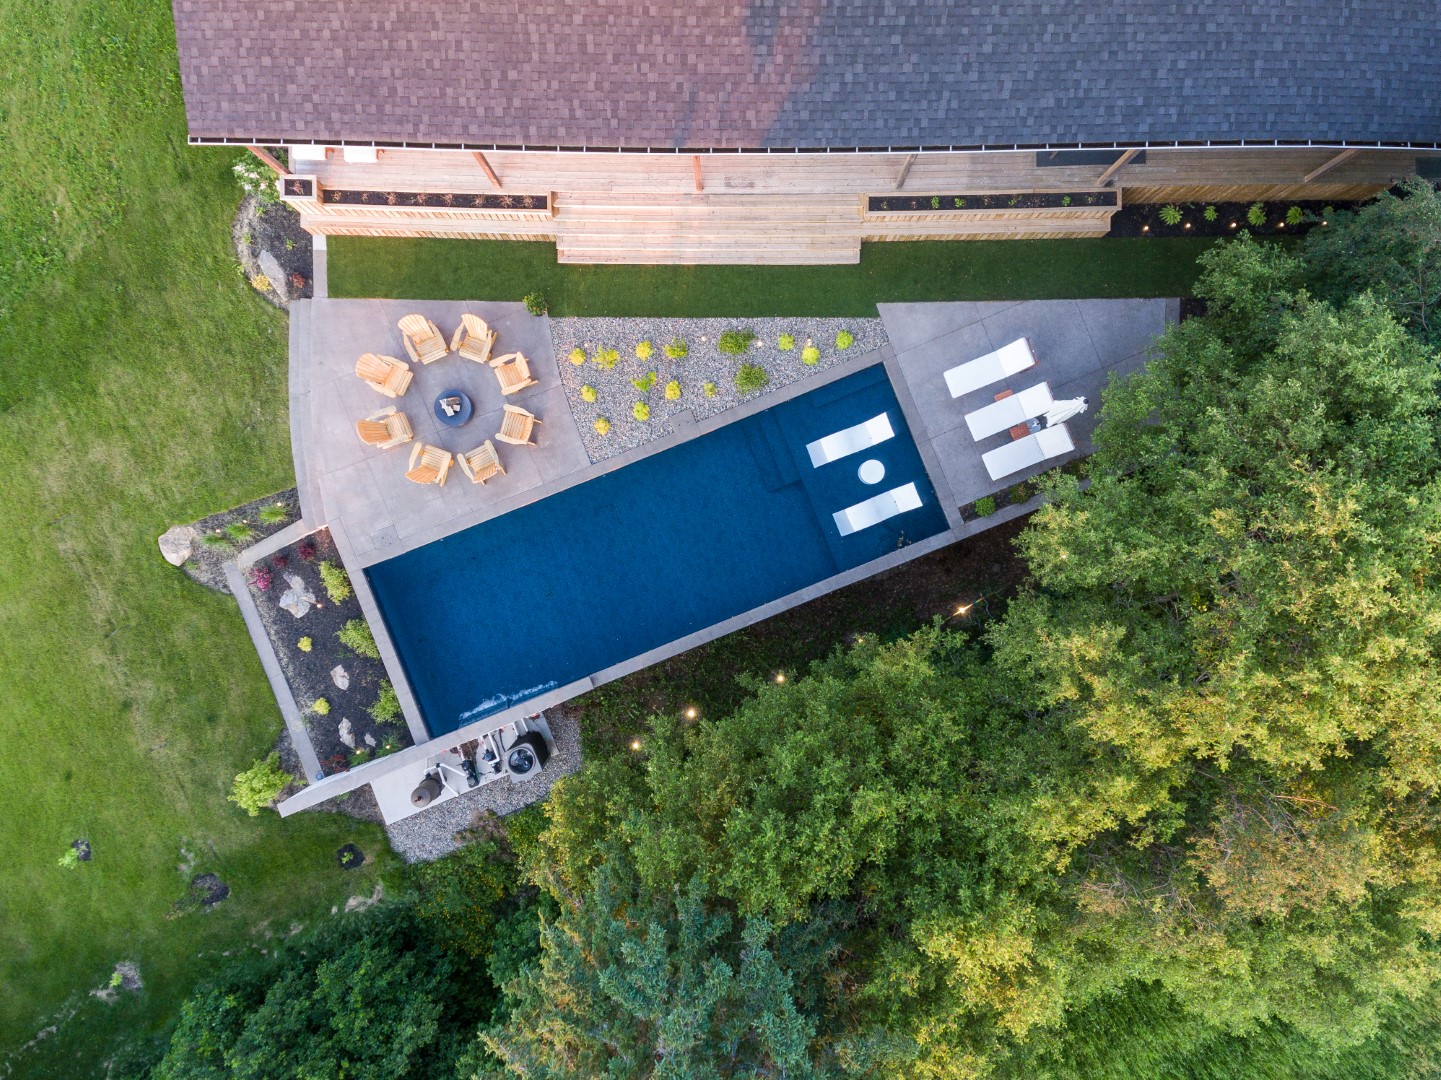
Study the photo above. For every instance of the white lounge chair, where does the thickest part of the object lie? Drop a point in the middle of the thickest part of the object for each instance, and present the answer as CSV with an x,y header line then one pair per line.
x,y
1006,361
1009,411
1032,450
877,509
851,441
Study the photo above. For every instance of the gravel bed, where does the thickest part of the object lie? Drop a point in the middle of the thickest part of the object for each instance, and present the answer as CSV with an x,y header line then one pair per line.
x,y
616,393
431,833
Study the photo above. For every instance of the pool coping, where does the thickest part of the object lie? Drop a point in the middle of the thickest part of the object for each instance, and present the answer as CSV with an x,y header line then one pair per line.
x,y
425,745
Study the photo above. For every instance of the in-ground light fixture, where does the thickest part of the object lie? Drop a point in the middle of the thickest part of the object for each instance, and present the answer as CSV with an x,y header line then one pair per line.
x,y
780,676
691,713
635,744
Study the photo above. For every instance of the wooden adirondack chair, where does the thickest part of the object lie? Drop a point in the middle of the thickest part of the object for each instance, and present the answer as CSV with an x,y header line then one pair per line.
x,y
473,339
481,463
513,371
384,429
384,373
516,426
428,465
423,340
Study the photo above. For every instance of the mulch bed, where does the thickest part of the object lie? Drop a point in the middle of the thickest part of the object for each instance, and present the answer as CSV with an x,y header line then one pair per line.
x,y
963,200
1144,219
274,230
308,673
207,559
442,199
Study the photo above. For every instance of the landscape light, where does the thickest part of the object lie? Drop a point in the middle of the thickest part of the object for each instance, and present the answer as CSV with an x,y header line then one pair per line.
x,y
780,676
1145,228
963,609
635,744
690,714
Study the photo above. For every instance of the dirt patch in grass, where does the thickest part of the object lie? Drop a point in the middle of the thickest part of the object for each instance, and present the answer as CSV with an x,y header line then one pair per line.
x,y
711,677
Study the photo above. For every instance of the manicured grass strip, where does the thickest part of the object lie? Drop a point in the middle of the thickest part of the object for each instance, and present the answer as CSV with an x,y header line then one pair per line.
x,y
431,269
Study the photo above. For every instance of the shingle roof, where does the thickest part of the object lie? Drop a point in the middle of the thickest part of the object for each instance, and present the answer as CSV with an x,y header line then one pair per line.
x,y
811,73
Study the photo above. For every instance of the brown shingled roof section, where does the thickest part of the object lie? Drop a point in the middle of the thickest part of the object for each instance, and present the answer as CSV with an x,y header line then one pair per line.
x,y
809,72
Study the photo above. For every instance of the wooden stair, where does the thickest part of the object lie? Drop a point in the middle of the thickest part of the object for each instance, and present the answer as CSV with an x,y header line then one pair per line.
x,y
619,227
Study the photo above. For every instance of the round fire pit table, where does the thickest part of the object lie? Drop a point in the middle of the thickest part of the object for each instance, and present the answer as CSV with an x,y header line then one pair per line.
x,y
459,418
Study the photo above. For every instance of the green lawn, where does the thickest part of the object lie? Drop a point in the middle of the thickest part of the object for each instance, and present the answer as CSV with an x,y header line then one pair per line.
x,y
144,385
429,269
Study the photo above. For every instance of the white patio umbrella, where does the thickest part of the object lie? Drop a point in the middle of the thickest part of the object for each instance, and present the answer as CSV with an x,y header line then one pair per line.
x,y
1064,410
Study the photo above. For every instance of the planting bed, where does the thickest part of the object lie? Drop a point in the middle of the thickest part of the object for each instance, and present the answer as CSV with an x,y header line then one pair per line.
x,y
1145,219
310,673
441,199
233,529
275,253
962,200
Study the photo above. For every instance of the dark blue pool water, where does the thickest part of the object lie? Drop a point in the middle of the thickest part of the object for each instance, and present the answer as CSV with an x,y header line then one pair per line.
x,y
609,569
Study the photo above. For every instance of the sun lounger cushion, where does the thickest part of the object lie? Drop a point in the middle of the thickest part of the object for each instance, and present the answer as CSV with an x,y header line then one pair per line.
x,y
1009,411
1032,450
877,509
993,367
851,441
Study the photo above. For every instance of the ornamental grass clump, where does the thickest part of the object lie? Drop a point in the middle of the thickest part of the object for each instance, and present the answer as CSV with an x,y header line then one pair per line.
x,y
677,349
1256,214
751,377
735,342
845,339
576,356
356,636
810,355
588,394
709,389
786,342
643,350
641,411
601,425
646,382
275,515
321,707
672,391
606,358
336,582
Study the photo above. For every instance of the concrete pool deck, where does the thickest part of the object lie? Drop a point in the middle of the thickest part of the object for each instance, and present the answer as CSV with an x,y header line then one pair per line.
x,y
346,486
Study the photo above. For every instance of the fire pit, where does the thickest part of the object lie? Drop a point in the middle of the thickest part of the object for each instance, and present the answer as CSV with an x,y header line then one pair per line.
x,y
453,408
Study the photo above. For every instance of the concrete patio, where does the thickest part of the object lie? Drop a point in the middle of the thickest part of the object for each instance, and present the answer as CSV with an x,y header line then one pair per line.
x,y
365,489
1078,344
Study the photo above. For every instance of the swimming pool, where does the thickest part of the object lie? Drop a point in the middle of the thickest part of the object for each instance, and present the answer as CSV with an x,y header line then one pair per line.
x,y
686,538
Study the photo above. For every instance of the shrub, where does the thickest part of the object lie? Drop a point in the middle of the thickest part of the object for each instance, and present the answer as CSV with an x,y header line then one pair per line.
x,y
356,636
386,709
985,506
1171,214
69,860
306,551
260,785
786,343
960,204
672,391
845,339
256,179
1209,213
576,356
606,358
735,342
336,582
602,426
1065,200
275,515
644,350
240,532
259,578
535,303
278,560
677,349
646,382
751,377
1019,493
588,394
1295,215
1256,214
1327,212
810,355
260,283
305,644
641,411
709,389
321,707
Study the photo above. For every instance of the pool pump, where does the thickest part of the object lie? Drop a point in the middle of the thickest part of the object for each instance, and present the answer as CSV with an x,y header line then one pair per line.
x,y
527,755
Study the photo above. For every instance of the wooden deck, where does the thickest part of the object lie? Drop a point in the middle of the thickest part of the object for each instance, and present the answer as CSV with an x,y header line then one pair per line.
x,y
799,208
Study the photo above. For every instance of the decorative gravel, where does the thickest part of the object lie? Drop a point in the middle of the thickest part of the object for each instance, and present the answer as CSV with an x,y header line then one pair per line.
x,y
431,833
616,393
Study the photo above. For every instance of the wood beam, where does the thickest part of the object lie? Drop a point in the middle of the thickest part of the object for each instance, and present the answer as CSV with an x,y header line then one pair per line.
x,y
695,169
484,164
905,171
1112,169
269,159
1344,155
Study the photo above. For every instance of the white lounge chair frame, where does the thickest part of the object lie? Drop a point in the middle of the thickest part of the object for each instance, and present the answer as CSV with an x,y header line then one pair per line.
x,y
1032,450
851,440
1010,411
1010,359
877,509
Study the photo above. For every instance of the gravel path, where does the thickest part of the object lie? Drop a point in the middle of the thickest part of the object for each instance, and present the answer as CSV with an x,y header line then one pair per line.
x,y
431,833
616,393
